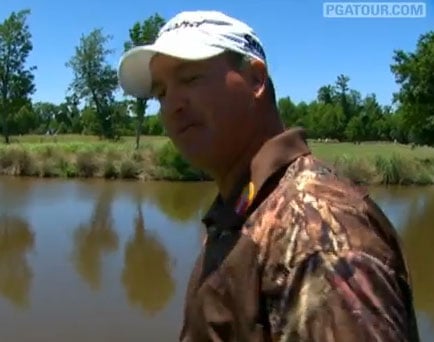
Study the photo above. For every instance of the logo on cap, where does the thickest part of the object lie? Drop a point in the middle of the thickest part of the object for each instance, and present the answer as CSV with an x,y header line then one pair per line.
x,y
253,44
190,23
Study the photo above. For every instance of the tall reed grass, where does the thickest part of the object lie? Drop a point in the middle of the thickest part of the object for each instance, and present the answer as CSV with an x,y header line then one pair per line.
x,y
388,170
163,162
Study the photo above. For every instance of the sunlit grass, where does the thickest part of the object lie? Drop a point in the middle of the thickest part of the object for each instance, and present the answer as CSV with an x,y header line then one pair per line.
x,y
330,151
89,156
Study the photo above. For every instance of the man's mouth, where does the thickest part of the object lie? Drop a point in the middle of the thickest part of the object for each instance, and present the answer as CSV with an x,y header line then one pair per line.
x,y
185,128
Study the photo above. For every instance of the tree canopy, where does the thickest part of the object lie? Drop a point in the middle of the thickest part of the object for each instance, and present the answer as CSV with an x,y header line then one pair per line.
x,y
414,72
142,33
91,106
16,79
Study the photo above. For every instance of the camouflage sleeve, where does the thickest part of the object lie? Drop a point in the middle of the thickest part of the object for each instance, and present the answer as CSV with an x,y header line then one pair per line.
x,y
351,297
319,286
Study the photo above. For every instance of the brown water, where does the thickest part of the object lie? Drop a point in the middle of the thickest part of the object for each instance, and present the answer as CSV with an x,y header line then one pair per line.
x,y
109,261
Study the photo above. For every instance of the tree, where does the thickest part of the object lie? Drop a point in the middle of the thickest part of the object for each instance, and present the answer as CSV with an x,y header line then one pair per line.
x,y
153,125
398,129
95,80
142,34
16,79
326,120
326,94
342,89
45,112
121,118
24,121
371,116
69,114
355,130
414,72
89,120
354,103
288,112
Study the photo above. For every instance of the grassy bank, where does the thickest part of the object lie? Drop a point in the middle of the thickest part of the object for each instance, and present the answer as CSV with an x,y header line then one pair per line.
x,y
77,156
380,163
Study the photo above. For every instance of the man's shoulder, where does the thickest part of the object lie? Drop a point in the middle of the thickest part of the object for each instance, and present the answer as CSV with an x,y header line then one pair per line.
x,y
313,209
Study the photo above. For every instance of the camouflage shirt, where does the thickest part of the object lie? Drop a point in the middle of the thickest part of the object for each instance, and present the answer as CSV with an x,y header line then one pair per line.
x,y
313,259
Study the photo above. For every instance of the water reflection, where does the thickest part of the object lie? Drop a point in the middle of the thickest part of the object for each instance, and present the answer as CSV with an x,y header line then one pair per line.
x,y
146,275
16,239
179,201
14,194
412,213
419,239
95,239
135,244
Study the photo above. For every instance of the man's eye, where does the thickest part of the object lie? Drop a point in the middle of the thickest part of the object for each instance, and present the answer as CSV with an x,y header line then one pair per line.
x,y
159,94
189,78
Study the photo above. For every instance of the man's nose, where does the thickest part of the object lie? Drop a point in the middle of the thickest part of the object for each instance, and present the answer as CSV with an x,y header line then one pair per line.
x,y
175,101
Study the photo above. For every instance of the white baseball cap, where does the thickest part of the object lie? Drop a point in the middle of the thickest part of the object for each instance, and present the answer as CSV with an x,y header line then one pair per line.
x,y
190,35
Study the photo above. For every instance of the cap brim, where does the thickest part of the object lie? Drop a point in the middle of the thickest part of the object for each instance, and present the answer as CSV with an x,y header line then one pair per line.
x,y
134,74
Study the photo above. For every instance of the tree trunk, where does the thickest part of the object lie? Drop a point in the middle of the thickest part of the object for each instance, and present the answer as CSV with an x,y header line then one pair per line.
x,y
140,112
5,128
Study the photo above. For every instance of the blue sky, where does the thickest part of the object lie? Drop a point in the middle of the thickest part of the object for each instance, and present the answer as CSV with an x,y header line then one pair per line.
x,y
304,49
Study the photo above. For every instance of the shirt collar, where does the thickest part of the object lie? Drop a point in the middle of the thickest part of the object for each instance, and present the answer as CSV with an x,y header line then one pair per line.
x,y
276,153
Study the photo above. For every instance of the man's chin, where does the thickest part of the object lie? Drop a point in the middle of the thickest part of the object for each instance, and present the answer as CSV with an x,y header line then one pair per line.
x,y
199,159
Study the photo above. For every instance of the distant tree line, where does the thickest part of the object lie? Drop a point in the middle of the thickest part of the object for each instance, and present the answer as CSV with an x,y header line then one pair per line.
x,y
340,113
337,113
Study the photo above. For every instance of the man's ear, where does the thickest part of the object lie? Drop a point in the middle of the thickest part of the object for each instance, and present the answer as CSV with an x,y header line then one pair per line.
x,y
258,77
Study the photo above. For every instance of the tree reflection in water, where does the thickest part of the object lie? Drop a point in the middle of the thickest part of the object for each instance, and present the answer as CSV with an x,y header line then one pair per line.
x,y
418,238
93,240
146,275
16,239
181,201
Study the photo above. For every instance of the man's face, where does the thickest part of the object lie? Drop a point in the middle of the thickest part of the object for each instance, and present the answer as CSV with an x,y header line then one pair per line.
x,y
206,108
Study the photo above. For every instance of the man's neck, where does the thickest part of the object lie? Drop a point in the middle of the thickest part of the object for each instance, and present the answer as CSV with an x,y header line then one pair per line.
x,y
241,166
239,171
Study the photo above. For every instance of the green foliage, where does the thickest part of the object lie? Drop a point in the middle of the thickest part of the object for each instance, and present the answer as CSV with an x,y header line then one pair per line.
x,y
110,170
16,78
402,170
338,113
129,169
153,125
288,112
45,113
175,166
359,170
341,113
368,163
87,164
414,72
95,80
24,120
388,170
145,32
142,34
18,161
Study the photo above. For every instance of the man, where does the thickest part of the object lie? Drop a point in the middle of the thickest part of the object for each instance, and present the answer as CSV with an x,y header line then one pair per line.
x,y
293,252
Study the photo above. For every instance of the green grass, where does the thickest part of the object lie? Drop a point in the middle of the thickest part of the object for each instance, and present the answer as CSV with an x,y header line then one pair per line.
x,y
78,138
88,156
379,162
330,151
327,151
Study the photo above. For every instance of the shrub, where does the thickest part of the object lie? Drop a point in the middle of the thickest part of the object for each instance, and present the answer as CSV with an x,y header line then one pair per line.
x,y
129,169
109,169
359,170
87,165
175,166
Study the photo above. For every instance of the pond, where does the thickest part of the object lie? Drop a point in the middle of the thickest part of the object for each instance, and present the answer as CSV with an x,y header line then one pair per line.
x,y
108,261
